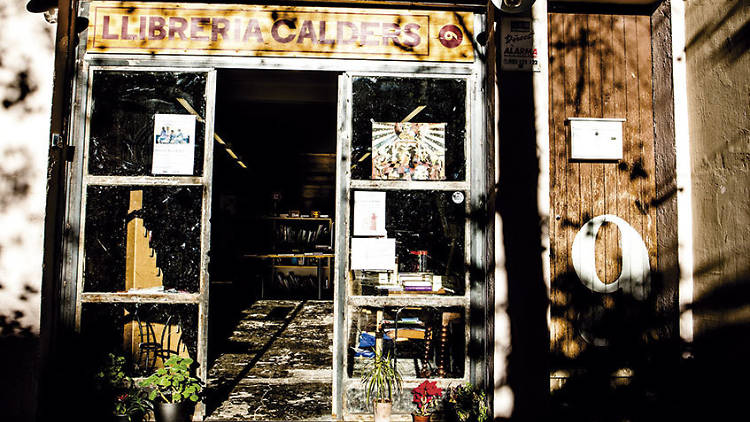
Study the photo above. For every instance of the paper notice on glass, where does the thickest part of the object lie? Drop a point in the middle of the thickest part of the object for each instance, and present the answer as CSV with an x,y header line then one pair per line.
x,y
174,144
373,254
369,213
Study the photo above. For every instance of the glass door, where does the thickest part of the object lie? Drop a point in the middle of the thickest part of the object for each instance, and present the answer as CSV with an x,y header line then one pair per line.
x,y
403,259
145,212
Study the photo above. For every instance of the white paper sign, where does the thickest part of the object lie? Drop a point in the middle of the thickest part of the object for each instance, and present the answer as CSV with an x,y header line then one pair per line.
x,y
369,213
174,144
373,253
517,47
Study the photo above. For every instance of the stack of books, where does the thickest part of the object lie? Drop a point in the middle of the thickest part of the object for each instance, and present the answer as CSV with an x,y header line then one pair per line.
x,y
416,282
379,280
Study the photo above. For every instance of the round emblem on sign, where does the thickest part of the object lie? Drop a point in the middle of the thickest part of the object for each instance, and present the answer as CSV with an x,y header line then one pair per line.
x,y
450,36
458,197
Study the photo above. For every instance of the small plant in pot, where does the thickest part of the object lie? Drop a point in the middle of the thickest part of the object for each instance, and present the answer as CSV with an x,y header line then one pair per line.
x,y
425,397
127,402
467,403
132,405
382,380
174,391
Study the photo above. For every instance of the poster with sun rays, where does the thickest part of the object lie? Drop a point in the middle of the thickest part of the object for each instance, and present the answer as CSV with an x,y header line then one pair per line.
x,y
408,151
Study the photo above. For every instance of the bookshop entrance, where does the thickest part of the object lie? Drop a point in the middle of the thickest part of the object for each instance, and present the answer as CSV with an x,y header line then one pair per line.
x,y
283,213
272,247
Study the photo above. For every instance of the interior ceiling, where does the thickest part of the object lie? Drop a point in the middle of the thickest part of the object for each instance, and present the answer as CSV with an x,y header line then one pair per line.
x,y
256,86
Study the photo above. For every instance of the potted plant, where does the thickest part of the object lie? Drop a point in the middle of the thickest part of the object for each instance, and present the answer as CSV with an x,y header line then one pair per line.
x,y
381,379
425,397
174,391
127,403
132,406
467,403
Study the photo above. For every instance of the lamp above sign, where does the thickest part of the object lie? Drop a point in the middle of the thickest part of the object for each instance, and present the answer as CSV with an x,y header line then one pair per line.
x,y
595,139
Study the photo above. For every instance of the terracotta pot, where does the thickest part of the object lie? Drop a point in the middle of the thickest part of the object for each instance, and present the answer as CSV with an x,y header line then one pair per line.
x,y
173,412
420,418
382,411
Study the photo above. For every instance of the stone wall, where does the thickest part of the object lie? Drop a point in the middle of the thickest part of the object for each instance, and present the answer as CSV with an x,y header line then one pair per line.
x,y
718,68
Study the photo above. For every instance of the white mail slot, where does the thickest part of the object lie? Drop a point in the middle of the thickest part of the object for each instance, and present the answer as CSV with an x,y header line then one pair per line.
x,y
595,139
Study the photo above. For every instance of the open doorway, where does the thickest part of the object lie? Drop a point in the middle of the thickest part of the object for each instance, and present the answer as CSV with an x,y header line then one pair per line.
x,y
271,260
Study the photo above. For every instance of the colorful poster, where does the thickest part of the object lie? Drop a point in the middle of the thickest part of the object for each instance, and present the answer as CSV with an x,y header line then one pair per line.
x,y
408,151
174,144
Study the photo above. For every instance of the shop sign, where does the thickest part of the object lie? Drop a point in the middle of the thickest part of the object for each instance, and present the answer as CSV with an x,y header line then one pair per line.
x,y
281,31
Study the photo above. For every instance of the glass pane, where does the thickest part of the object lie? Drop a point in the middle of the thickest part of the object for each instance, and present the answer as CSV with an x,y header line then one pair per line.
x,y
146,334
429,230
429,341
123,105
142,237
413,152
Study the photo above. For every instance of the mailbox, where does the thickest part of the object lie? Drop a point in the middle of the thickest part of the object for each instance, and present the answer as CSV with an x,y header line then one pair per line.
x,y
595,139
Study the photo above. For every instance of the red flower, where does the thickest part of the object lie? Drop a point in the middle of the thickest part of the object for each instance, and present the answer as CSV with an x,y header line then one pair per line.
x,y
424,396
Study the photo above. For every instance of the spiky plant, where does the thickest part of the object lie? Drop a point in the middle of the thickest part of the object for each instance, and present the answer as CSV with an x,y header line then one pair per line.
x,y
381,379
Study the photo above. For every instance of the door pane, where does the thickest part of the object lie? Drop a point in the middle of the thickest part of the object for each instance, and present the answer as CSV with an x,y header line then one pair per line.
x,y
140,237
123,105
416,152
146,334
427,342
429,231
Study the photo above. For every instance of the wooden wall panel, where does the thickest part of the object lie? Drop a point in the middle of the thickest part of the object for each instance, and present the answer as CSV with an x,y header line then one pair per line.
x,y
600,66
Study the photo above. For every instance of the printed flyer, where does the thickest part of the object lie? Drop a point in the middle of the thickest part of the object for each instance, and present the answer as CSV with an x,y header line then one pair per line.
x,y
174,144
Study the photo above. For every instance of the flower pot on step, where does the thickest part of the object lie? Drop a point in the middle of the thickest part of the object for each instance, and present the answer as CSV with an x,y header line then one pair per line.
x,y
420,418
173,412
382,411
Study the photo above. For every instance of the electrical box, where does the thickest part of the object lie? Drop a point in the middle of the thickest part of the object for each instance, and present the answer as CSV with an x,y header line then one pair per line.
x,y
594,139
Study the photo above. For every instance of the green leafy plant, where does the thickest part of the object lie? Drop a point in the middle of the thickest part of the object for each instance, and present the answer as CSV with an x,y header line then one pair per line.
x,y
117,386
133,404
468,403
381,379
111,375
173,383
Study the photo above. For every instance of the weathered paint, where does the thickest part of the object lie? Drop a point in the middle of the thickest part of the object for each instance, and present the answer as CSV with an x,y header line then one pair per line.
x,y
241,30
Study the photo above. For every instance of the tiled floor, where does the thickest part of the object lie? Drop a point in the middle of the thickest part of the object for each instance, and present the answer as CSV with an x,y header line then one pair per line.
x,y
276,365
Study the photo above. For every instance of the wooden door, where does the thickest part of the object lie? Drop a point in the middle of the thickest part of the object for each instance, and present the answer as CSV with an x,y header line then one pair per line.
x,y
600,66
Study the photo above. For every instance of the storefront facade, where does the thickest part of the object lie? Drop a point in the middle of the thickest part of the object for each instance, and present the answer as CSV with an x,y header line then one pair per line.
x,y
434,143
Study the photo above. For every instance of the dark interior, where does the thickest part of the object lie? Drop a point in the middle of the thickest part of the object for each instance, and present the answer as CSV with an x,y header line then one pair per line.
x,y
281,126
